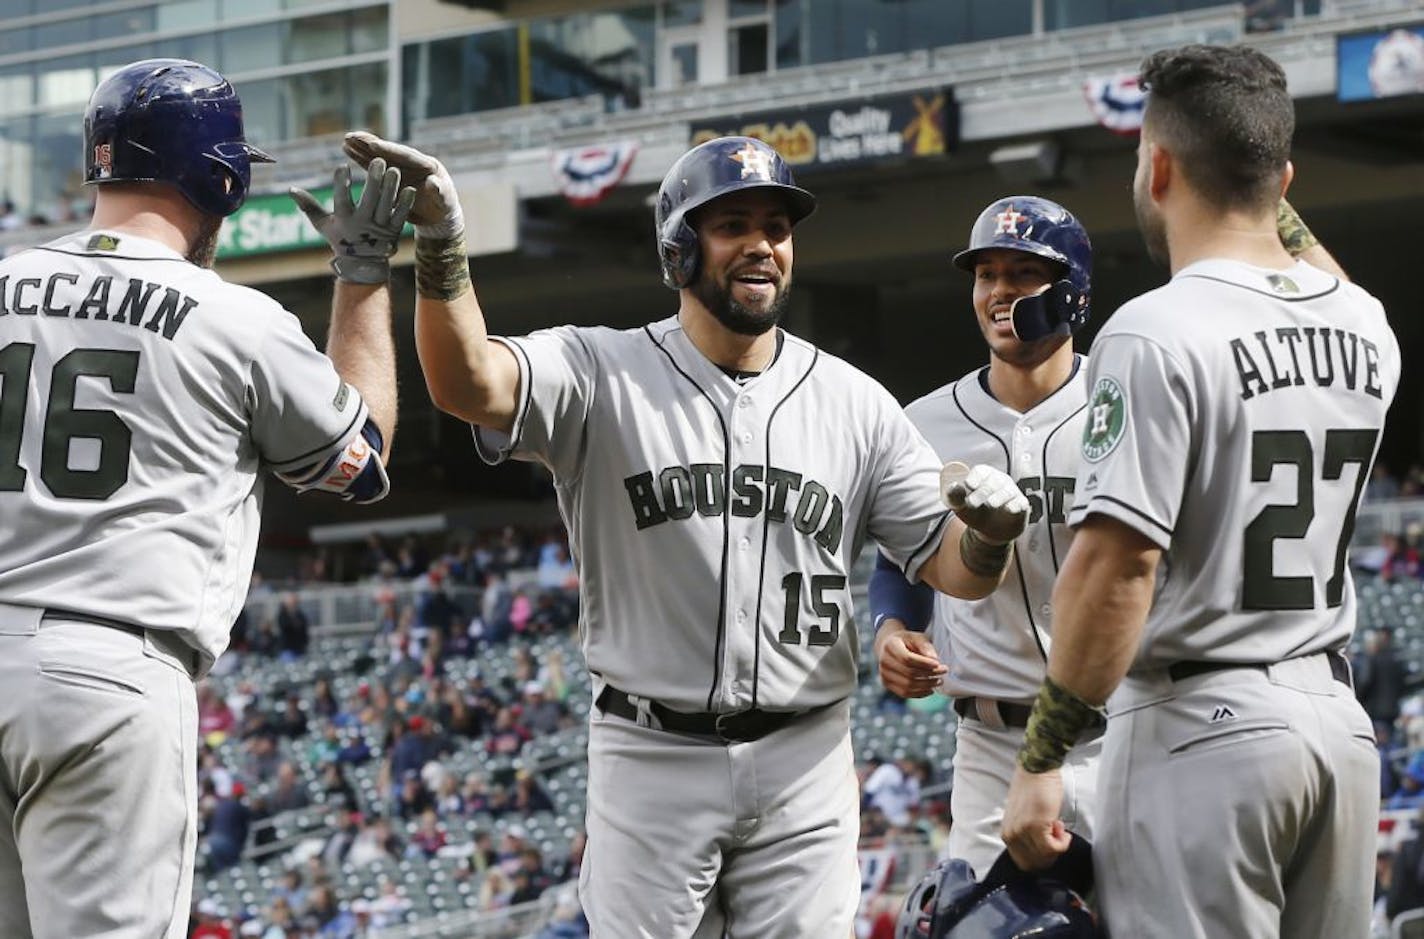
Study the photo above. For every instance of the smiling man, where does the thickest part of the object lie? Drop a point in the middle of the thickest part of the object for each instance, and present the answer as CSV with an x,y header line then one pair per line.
x,y
717,476
1031,263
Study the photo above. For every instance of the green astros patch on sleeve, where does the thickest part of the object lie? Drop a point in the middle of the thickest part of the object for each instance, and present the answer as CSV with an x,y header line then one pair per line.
x,y
1107,419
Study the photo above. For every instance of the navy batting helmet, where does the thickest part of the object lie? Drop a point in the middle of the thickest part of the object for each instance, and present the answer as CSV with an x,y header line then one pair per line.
x,y
1046,229
948,903
709,170
171,121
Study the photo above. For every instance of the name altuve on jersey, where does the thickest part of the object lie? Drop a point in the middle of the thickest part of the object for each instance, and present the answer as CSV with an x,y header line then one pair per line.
x,y
678,491
1287,341
125,304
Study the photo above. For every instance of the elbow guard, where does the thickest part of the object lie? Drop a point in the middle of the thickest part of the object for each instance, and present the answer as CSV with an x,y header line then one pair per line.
x,y
355,473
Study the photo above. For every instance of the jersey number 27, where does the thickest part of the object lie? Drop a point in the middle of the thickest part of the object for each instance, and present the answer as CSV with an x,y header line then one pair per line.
x,y
1261,588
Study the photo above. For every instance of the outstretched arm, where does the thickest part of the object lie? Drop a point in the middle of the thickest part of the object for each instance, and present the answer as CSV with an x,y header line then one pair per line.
x,y
468,376
989,513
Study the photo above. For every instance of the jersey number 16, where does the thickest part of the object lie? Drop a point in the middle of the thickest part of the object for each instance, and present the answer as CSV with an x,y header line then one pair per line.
x,y
64,422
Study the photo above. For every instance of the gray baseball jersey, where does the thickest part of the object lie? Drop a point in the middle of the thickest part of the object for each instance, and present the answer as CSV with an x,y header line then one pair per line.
x,y
1234,415
714,524
140,397
997,647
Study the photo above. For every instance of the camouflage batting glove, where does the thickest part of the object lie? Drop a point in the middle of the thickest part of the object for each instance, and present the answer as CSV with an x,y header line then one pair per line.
x,y
362,234
437,214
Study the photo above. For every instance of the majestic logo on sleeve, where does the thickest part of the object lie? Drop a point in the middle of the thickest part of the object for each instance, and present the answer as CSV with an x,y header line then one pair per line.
x,y
1107,419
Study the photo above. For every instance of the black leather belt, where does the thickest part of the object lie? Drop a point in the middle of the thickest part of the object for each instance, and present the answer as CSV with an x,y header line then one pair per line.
x,y
731,727
1013,715
52,613
1180,671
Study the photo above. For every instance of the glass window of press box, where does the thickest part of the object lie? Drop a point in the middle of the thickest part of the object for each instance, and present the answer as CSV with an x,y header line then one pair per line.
x,y
614,53
299,74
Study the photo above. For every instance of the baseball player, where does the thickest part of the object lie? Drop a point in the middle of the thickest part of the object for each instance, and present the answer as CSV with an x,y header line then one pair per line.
x,y
1023,412
1232,419
717,476
140,397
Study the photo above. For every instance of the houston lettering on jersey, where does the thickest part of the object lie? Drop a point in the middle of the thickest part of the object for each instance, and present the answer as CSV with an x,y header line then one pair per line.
x,y
1280,351
678,491
1056,491
125,303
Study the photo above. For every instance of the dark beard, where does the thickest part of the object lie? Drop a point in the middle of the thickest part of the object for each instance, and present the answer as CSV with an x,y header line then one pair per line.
x,y
731,314
204,249
1029,354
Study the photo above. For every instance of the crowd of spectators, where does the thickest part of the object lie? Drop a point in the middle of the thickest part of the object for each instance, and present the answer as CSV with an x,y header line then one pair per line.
x,y
263,757
482,599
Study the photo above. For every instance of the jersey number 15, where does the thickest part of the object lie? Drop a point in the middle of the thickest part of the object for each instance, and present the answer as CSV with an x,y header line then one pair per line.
x,y
1261,588
63,422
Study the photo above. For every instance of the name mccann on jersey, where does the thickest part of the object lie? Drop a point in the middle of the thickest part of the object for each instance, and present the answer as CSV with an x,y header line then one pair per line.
x,y
1280,351
126,303
678,491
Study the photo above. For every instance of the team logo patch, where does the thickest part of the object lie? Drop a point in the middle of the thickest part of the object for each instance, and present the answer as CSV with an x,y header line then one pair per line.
x,y
1008,221
1107,419
342,394
102,242
1282,284
756,163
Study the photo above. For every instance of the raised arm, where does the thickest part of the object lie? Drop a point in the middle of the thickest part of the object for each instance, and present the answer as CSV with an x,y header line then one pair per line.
x,y
1301,242
467,374
363,236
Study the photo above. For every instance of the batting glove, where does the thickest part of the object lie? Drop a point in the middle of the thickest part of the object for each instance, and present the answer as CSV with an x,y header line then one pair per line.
x,y
986,500
437,212
363,234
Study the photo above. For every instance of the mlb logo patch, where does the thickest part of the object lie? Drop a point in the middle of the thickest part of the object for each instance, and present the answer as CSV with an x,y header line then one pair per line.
x,y
104,160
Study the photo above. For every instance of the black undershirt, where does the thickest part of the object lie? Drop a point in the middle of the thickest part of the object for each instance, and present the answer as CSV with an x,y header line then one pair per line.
x,y
741,376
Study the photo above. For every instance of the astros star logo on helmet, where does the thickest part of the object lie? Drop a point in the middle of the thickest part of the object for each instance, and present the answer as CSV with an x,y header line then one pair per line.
x,y
1009,221
755,162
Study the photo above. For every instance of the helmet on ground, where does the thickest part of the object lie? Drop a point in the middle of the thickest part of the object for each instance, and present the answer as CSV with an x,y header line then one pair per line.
x,y
1044,228
715,168
171,121
948,903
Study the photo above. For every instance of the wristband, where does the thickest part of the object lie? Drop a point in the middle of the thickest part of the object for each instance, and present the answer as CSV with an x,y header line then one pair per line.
x,y
983,558
442,270
1059,716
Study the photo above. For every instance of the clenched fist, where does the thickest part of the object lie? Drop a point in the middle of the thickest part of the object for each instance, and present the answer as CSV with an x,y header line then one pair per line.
x,y
986,500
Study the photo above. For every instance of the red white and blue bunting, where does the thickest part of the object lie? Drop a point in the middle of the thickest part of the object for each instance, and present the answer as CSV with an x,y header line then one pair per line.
x,y
586,174
1116,102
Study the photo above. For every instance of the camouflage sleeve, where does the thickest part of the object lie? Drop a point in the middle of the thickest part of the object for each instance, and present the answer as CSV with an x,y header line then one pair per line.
x,y
1058,718
1296,237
